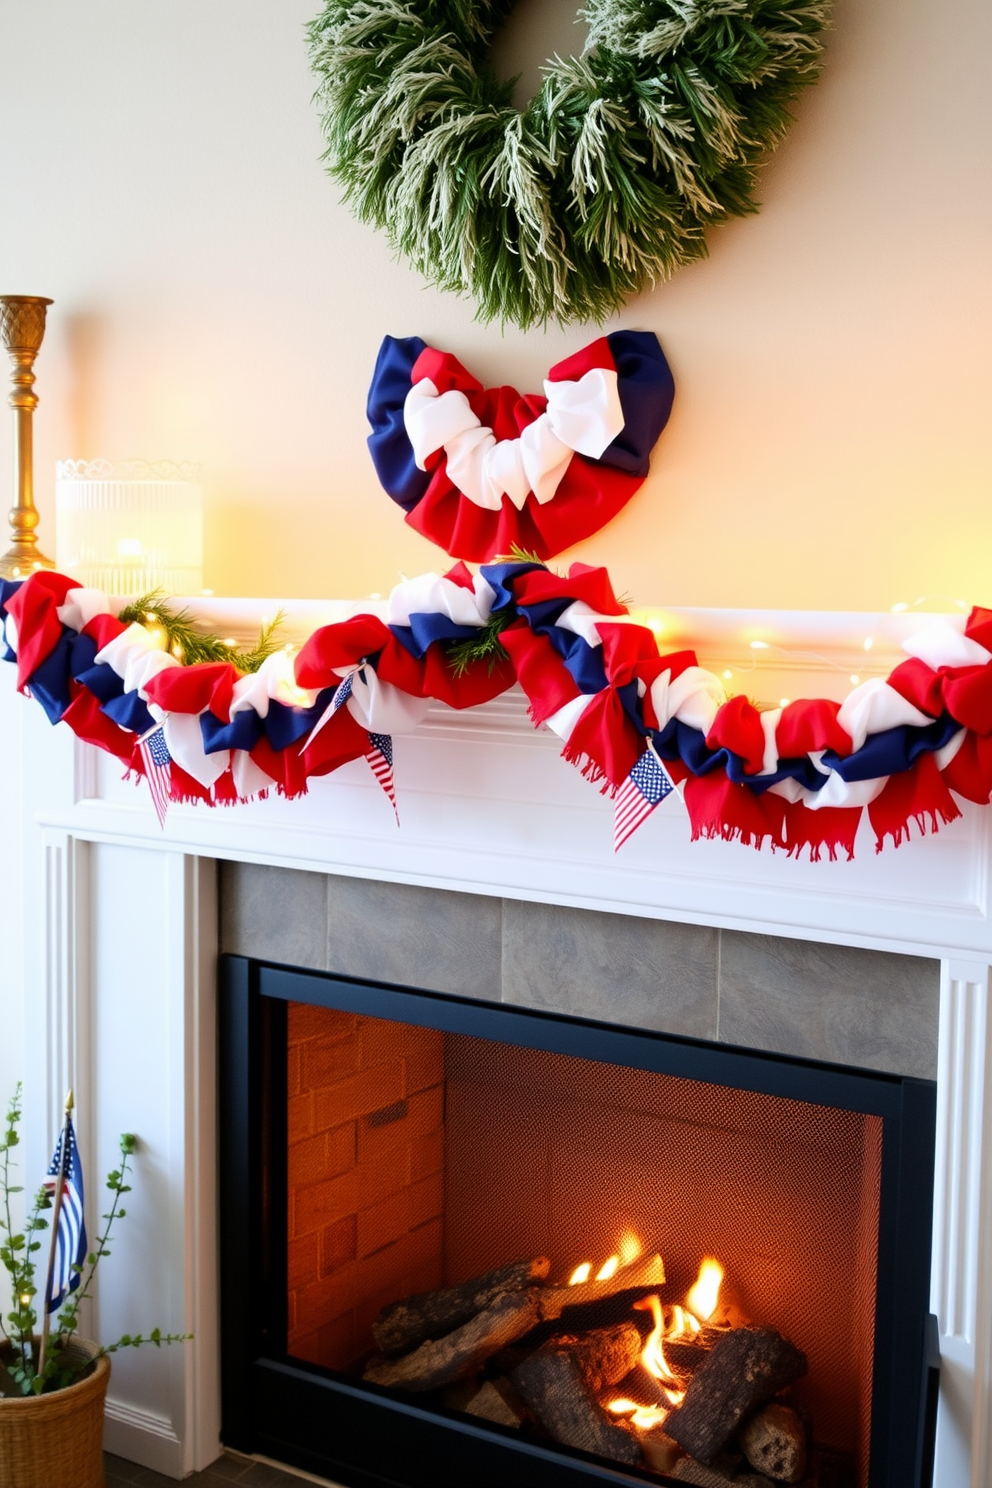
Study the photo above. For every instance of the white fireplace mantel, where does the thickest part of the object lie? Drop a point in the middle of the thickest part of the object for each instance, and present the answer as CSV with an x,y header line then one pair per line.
x,y
110,939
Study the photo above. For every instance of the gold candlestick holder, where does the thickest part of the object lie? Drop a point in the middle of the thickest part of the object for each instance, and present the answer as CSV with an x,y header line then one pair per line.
x,y
22,327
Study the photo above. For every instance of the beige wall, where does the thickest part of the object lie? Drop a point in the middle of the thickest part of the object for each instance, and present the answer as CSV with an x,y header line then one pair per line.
x,y
160,181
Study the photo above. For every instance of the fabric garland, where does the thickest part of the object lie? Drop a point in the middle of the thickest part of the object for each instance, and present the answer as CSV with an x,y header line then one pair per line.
x,y
798,778
486,471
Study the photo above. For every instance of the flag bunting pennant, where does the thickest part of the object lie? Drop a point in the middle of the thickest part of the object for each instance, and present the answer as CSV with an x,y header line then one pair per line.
x,y
157,761
380,758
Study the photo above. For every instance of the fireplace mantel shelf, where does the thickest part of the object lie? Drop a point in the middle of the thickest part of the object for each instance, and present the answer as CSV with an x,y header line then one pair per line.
x,y
487,806
821,647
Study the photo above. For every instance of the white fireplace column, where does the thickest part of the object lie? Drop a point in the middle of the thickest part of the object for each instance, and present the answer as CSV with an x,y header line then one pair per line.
x,y
112,924
961,1293
126,1017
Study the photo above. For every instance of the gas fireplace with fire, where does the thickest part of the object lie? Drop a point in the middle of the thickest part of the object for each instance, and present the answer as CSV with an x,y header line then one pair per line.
x,y
467,1243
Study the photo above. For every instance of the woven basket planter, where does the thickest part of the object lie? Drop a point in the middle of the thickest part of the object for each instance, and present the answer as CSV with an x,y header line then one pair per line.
x,y
57,1439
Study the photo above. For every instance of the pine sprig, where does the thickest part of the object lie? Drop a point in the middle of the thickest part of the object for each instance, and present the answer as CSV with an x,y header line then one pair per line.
x,y
190,643
483,646
517,554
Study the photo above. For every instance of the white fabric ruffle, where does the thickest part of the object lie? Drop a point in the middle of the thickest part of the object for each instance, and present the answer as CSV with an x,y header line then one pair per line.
x,y
582,417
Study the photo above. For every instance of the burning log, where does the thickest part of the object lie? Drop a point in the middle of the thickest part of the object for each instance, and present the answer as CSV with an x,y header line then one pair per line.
x,y
603,1355
744,1370
498,1401
460,1353
647,1271
660,1451
560,1382
774,1442
686,1355
403,1325
646,1387
825,1469
587,1307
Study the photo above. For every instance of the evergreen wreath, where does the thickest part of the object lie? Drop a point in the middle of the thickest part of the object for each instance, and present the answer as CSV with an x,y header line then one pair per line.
x,y
603,185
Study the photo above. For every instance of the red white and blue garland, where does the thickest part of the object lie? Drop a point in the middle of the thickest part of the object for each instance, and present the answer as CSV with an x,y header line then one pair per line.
x,y
635,721
484,471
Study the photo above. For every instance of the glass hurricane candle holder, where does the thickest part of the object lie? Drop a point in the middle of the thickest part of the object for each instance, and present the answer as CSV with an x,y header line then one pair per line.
x,y
131,527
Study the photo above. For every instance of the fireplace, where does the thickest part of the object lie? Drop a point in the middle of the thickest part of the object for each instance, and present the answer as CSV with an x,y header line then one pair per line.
x,y
379,1143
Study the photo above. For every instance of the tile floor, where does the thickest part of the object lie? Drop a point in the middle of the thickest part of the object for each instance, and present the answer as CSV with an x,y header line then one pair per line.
x,y
227,1470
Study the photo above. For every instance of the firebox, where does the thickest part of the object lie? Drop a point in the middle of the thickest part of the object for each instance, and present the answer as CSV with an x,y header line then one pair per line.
x,y
468,1243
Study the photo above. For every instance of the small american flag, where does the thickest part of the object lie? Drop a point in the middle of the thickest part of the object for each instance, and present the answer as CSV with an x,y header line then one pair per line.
x,y
157,761
342,692
380,758
341,695
645,787
70,1237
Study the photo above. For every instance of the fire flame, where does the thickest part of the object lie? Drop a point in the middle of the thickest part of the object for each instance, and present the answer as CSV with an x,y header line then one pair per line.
x,y
642,1417
653,1354
683,1323
700,1303
701,1299
628,1249
673,1322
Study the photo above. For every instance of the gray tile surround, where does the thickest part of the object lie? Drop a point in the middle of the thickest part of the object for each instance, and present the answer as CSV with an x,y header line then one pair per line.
x,y
838,1003
416,937
651,973
830,1002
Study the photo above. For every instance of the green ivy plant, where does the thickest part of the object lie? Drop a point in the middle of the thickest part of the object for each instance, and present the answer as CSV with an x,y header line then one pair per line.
x,y
20,1253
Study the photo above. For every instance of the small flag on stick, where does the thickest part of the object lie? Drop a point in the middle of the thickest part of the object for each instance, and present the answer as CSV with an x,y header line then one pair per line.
x,y
380,758
342,692
157,761
65,1180
68,1237
646,786
341,695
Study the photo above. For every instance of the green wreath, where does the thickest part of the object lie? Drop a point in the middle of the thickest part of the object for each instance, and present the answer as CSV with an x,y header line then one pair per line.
x,y
609,179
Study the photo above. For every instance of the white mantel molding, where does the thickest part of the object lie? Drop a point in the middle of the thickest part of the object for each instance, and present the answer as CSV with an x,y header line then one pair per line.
x,y
488,806
111,925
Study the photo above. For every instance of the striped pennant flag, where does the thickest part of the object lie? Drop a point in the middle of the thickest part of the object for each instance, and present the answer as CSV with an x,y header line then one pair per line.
x,y
70,1237
646,786
380,758
157,760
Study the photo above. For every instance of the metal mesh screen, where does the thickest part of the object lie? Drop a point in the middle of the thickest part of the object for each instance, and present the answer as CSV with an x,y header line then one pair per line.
x,y
419,1159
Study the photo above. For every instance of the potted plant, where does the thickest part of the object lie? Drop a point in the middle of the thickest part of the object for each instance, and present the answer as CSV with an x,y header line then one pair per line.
x,y
53,1384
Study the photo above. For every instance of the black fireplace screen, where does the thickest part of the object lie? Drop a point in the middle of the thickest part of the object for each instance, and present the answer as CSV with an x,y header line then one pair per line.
x,y
476,1233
